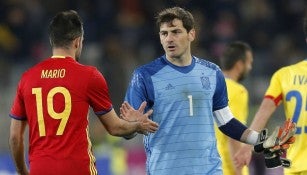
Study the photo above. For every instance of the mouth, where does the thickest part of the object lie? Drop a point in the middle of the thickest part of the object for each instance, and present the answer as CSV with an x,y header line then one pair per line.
x,y
171,48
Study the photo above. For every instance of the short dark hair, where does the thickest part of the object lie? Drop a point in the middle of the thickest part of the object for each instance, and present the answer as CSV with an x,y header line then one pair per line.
x,y
234,52
64,28
169,14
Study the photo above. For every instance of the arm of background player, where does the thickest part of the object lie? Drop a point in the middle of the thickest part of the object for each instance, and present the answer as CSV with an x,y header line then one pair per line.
x,y
260,120
16,143
234,146
263,114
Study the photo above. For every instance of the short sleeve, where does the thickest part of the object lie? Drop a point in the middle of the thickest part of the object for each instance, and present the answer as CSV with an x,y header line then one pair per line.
x,y
18,108
220,98
274,90
135,94
98,94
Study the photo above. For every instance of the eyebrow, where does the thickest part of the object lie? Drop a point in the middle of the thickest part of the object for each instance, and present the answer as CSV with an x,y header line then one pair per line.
x,y
173,30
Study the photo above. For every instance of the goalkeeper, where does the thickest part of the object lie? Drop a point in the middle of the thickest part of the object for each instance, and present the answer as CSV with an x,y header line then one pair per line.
x,y
187,94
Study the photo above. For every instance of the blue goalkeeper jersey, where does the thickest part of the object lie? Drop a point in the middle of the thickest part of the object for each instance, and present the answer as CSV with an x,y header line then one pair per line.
x,y
183,100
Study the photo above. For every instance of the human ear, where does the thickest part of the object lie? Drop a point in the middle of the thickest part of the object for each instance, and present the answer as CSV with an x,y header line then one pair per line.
x,y
192,33
77,42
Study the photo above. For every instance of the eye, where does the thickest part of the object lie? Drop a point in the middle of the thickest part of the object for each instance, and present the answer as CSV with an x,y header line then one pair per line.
x,y
176,31
163,33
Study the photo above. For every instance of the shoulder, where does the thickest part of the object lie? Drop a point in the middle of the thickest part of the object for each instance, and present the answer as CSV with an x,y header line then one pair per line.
x,y
91,69
151,68
283,72
292,67
50,66
32,70
233,84
235,87
207,63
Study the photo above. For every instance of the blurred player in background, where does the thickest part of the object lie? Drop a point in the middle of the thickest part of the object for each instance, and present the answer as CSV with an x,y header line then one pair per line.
x,y
236,63
288,86
187,94
53,98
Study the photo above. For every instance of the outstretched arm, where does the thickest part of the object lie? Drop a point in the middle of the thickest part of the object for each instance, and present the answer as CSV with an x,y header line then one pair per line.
x,y
235,145
233,128
119,127
263,114
260,120
279,139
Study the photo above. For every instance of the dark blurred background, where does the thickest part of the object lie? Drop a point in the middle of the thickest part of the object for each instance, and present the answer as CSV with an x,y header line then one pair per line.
x,y
121,35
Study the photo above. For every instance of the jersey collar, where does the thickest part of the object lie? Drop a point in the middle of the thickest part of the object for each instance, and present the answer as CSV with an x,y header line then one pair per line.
x,y
60,57
182,69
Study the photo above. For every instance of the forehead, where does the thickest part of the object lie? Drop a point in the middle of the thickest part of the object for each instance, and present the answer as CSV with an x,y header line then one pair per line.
x,y
174,24
249,56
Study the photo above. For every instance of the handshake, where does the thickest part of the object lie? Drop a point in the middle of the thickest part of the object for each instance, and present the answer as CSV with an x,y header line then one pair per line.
x,y
273,146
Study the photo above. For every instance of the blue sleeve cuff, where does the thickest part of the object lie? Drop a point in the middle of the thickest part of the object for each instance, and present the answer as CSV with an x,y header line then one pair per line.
x,y
99,113
18,118
234,129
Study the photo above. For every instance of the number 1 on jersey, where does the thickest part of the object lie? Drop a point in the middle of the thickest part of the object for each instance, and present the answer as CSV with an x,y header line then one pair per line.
x,y
191,104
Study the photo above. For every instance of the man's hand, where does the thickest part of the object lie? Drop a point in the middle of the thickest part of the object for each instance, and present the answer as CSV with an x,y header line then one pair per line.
x,y
273,160
279,139
128,113
243,156
275,145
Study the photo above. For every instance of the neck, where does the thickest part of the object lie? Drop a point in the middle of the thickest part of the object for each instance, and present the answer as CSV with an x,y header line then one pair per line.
x,y
63,52
232,75
184,60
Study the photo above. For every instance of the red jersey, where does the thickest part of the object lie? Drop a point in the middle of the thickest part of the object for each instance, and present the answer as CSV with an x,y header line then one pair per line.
x,y
54,97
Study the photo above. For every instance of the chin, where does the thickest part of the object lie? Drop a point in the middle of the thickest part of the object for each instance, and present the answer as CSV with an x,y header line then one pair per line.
x,y
172,55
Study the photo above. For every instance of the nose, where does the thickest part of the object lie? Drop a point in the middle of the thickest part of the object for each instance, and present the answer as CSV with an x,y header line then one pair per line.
x,y
169,37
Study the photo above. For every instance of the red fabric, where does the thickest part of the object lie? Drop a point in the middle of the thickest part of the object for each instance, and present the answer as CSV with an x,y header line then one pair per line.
x,y
276,100
66,89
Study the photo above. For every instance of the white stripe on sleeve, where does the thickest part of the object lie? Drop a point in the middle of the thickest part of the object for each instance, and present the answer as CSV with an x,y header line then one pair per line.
x,y
222,116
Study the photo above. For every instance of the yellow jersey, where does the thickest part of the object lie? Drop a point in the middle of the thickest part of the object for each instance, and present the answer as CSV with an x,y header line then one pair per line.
x,y
289,86
238,104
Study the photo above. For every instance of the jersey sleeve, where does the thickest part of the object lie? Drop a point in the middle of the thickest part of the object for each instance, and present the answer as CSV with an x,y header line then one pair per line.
x,y
220,98
18,111
274,90
136,92
98,94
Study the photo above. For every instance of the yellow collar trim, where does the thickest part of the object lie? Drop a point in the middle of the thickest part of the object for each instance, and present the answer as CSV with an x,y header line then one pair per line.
x,y
58,56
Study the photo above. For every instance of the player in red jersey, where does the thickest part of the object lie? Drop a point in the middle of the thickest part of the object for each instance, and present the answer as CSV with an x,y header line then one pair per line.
x,y
53,99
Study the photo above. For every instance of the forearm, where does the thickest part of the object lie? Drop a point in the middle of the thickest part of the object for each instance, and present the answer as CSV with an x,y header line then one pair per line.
x,y
17,151
116,126
236,130
230,126
234,146
125,128
263,114
250,137
16,143
119,127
